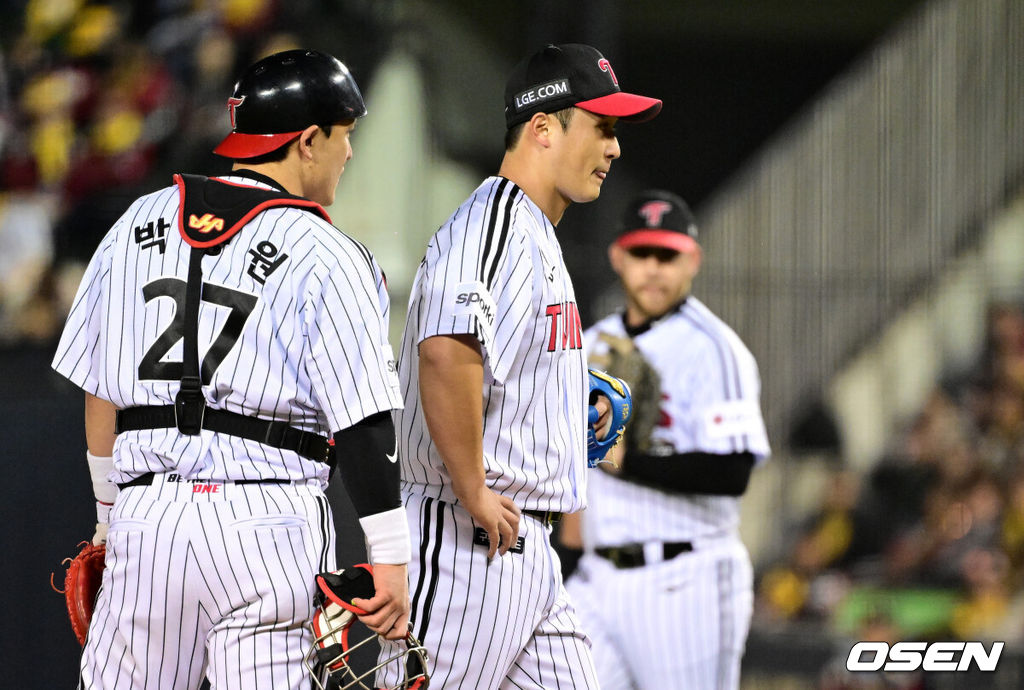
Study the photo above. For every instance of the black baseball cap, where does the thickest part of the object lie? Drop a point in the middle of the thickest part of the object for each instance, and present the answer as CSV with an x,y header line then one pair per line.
x,y
657,218
283,94
559,76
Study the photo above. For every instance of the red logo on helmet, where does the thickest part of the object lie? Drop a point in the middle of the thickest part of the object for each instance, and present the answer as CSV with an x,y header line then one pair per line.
x,y
232,104
607,67
654,211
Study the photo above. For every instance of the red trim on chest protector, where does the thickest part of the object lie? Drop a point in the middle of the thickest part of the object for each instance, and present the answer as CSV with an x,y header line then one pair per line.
x,y
214,225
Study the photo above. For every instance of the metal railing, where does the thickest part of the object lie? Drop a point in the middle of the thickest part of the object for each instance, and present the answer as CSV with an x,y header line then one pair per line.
x,y
860,203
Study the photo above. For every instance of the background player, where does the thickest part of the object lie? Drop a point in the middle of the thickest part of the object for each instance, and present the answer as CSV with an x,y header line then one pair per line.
x,y
216,535
664,586
492,437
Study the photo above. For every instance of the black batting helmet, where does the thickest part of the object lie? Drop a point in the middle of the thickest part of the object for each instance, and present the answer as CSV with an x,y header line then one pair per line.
x,y
283,94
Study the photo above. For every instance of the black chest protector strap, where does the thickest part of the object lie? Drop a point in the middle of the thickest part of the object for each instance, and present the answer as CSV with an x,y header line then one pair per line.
x,y
210,213
190,403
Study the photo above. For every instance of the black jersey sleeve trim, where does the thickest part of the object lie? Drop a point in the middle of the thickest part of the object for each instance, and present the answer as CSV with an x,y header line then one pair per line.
x,y
506,223
491,224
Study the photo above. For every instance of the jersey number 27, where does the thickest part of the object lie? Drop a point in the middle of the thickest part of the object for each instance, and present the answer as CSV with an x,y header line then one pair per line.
x,y
153,367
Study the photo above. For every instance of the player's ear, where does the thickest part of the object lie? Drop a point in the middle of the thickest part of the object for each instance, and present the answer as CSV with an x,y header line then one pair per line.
x,y
538,128
305,142
698,256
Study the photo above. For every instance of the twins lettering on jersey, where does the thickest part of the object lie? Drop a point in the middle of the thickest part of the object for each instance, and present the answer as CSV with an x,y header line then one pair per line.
x,y
564,327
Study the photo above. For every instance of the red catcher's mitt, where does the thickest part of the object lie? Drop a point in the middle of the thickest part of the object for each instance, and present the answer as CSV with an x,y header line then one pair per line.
x,y
81,583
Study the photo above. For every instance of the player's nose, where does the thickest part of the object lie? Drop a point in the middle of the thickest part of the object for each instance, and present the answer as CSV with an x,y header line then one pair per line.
x,y
612,151
651,264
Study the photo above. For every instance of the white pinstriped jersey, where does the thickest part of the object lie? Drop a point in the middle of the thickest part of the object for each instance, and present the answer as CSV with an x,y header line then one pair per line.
x,y
283,321
495,270
710,391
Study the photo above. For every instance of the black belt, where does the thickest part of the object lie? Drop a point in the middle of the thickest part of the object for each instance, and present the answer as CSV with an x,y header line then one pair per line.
x,y
147,480
632,555
548,517
273,434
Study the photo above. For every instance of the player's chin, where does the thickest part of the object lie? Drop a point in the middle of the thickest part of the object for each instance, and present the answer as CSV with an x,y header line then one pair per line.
x,y
591,192
653,304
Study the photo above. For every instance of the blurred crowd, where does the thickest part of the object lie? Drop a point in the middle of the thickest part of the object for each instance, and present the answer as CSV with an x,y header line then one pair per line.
x,y
929,545
100,102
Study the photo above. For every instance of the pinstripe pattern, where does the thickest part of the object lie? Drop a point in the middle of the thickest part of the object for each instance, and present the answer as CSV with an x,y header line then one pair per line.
x,y
308,354
676,624
727,676
697,606
221,583
232,571
503,623
499,246
495,270
717,368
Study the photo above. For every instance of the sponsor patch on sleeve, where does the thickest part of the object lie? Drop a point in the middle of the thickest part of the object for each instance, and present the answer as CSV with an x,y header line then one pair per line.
x,y
391,367
731,418
473,299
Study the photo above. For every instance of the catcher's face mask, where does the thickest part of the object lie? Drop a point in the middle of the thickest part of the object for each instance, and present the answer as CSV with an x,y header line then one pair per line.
x,y
337,660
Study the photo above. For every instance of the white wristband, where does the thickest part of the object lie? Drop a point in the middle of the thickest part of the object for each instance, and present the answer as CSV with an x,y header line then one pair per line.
x,y
100,469
387,537
103,512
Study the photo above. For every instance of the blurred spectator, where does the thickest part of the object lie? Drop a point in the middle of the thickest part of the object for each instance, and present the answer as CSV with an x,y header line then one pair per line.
x,y
26,249
96,102
942,512
808,584
878,628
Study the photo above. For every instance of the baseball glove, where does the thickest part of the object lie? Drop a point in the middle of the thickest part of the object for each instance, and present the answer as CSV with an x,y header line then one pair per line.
x,y
617,392
623,359
81,584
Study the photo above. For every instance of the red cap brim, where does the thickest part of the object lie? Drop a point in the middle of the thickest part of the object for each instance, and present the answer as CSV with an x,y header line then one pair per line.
x,y
239,146
627,106
657,237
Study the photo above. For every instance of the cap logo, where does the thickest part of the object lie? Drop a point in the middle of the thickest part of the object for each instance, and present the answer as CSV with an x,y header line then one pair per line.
x,y
232,104
538,94
607,67
654,211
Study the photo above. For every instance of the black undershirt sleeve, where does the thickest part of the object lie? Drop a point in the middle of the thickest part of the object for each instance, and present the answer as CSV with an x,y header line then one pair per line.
x,y
691,473
370,479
